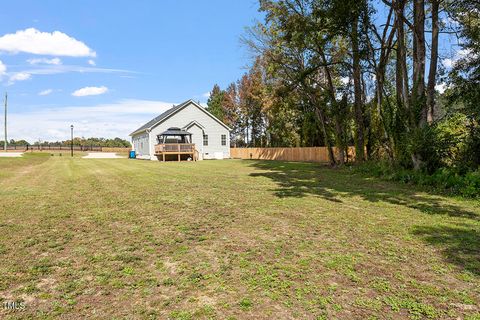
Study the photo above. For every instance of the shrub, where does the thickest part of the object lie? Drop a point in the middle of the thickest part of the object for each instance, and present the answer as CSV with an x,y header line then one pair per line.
x,y
449,180
451,142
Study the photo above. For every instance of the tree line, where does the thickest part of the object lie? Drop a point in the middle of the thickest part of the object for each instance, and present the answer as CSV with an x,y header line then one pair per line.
x,y
96,142
366,73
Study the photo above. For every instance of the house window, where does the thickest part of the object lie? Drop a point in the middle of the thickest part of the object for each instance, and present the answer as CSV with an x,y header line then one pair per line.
x,y
205,140
224,139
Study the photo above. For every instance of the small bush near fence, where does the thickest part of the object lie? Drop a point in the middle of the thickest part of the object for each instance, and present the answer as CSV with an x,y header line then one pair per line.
x,y
445,179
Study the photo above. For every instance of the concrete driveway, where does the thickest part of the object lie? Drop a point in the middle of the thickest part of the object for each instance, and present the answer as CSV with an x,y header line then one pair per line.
x,y
11,154
102,155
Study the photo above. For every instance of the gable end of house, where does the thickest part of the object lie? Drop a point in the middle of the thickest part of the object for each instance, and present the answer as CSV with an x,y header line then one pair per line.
x,y
172,111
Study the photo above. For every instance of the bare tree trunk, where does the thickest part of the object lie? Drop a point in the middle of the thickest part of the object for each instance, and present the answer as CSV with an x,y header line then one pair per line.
x,y
358,105
380,67
398,65
328,144
247,141
340,144
338,128
419,52
319,113
386,40
367,117
401,66
419,107
379,76
432,72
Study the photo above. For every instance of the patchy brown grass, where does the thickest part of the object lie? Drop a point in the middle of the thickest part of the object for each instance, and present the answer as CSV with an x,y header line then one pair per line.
x,y
95,238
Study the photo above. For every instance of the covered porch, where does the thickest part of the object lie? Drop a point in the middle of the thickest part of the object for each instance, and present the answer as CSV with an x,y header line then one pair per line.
x,y
175,144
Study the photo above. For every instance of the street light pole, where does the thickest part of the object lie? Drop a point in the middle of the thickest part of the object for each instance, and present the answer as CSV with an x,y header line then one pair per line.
x,y
5,140
71,140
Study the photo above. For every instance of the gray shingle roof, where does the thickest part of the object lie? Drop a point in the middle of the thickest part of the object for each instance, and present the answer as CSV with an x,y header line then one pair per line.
x,y
162,116
174,131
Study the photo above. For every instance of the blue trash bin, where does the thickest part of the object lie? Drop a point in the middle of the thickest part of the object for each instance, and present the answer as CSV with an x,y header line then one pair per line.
x,y
132,155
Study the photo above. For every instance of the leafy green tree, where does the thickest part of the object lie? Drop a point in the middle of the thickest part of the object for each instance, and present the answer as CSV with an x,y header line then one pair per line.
x,y
465,77
359,72
215,102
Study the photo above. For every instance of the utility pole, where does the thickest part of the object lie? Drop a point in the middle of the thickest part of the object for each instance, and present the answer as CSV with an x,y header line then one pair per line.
x,y
5,141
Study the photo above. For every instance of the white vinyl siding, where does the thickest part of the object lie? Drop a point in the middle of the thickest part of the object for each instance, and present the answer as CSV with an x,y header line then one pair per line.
x,y
211,127
141,144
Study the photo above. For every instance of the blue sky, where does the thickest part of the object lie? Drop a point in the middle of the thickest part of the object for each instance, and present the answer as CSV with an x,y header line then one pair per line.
x,y
108,66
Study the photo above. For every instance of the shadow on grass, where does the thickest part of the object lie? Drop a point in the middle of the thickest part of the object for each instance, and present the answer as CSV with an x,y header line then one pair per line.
x,y
306,179
296,179
460,244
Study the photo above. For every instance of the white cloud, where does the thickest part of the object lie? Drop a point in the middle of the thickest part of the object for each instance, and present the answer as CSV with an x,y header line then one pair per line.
x,y
459,54
34,41
448,63
344,80
441,87
110,120
19,76
57,69
91,62
3,69
90,91
45,92
54,61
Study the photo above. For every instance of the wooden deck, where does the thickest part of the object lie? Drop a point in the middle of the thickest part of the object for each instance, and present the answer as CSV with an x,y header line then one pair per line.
x,y
179,149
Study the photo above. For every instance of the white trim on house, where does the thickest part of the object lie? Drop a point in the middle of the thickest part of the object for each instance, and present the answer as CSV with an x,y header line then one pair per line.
x,y
191,124
192,117
211,115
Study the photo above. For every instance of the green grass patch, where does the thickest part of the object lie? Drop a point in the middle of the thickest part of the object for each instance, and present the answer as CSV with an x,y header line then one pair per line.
x,y
230,239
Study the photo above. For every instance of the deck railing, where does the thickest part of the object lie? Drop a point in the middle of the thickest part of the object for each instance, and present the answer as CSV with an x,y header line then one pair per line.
x,y
175,148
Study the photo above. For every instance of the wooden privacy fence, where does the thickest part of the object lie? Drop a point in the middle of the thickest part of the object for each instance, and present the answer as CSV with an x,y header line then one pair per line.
x,y
306,154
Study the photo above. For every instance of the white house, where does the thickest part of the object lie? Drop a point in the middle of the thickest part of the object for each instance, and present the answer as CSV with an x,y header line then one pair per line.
x,y
210,136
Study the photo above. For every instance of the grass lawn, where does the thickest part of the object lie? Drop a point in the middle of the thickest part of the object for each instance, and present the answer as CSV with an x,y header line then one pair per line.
x,y
102,238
